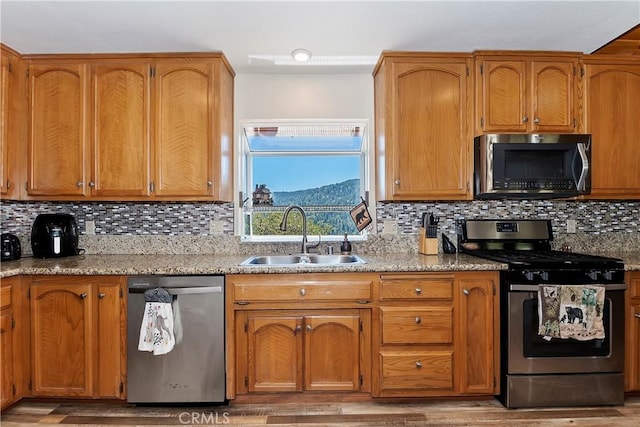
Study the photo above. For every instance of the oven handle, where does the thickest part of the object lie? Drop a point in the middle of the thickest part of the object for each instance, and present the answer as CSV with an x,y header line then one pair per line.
x,y
534,288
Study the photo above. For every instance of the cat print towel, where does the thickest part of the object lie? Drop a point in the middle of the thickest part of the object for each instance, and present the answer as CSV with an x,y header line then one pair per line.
x,y
156,330
571,312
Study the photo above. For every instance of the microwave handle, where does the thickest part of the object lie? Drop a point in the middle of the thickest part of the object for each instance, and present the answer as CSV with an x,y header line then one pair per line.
x,y
582,180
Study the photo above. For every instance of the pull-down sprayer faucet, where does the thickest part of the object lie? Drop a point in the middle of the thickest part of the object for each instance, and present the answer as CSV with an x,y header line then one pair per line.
x,y
283,227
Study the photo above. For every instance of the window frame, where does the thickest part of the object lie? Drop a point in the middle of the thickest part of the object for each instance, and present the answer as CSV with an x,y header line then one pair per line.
x,y
243,177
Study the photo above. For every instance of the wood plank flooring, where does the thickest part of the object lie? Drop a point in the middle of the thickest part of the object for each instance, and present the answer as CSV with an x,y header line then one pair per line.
x,y
343,414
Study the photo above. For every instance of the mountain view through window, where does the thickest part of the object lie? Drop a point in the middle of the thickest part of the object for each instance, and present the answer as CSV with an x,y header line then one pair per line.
x,y
319,167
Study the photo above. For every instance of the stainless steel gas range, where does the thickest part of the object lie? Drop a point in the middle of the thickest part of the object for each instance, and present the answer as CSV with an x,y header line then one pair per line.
x,y
539,365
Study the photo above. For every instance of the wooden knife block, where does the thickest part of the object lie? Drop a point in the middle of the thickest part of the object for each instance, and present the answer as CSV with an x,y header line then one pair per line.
x,y
427,246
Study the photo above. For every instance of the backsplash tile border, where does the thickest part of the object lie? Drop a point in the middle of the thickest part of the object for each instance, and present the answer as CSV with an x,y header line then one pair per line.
x,y
176,227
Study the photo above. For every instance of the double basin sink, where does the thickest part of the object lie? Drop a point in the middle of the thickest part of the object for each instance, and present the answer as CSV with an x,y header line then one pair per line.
x,y
307,260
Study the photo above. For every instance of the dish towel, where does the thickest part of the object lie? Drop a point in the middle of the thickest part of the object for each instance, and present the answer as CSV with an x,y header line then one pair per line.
x,y
571,312
156,331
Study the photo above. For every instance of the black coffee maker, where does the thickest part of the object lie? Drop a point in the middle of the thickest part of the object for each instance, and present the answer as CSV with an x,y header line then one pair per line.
x,y
54,235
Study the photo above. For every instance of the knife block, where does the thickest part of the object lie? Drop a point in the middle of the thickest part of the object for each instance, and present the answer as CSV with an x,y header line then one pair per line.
x,y
427,245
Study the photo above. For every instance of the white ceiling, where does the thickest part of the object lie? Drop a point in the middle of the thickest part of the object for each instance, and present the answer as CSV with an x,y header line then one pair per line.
x,y
241,28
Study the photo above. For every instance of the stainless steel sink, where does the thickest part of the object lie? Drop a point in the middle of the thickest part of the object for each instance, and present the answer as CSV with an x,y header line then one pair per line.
x,y
303,260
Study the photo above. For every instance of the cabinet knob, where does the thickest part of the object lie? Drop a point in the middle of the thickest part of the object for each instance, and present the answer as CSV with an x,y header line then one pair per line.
x,y
418,291
79,184
303,291
396,182
83,295
419,364
209,183
297,329
418,320
309,328
536,120
637,315
92,184
101,295
466,291
525,119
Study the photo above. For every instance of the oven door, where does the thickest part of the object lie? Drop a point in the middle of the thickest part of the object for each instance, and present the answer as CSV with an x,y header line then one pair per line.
x,y
529,353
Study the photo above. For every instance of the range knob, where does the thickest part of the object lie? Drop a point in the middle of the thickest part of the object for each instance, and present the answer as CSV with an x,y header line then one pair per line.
x,y
593,274
531,275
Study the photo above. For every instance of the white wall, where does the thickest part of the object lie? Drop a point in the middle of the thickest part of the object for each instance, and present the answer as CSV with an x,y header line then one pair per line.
x,y
303,96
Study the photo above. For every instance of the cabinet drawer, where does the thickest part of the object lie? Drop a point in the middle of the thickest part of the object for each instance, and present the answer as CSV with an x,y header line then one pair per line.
x,y
416,287
5,296
303,291
416,370
433,325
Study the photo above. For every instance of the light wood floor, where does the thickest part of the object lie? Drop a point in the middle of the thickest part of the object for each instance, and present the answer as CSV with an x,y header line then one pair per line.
x,y
426,413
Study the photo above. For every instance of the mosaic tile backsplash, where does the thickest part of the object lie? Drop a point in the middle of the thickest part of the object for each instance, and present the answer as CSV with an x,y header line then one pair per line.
x,y
185,227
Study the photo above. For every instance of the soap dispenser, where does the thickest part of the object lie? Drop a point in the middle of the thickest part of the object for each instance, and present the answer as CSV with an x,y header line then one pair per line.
x,y
345,246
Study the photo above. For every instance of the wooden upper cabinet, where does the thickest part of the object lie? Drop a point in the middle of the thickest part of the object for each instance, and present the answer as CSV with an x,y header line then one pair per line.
x,y
4,114
120,129
612,117
124,127
423,141
184,135
525,93
57,144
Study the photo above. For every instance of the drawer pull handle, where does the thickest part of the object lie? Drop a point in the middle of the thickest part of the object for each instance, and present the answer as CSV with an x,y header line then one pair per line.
x,y
418,320
418,364
466,291
418,291
303,291
101,295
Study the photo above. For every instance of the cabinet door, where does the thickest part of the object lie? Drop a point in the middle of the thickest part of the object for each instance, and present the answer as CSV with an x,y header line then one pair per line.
x,y
57,149
632,345
274,353
332,344
503,96
111,351
476,335
431,141
4,112
62,338
552,100
6,354
120,130
612,112
183,130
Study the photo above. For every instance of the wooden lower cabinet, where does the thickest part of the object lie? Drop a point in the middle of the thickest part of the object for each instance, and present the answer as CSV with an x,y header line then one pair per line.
x,y
434,335
632,352
78,336
14,349
299,333
6,349
316,350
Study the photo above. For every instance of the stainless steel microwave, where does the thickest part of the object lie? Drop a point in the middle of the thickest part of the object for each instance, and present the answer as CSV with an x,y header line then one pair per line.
x,y
531,166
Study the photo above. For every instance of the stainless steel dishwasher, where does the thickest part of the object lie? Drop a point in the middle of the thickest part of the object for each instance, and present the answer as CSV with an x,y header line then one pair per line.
x,y
194,370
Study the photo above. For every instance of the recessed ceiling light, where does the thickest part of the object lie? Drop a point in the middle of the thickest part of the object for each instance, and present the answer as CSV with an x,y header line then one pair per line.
x,y
301,55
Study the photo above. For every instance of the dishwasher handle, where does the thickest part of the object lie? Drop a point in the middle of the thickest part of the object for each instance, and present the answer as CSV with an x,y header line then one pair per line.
x,y
182,291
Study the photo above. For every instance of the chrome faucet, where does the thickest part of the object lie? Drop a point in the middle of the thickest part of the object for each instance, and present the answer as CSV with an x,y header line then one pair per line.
x,y
283,227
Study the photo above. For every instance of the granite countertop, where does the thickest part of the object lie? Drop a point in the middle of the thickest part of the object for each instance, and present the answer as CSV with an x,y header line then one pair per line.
x,y
216,264
188,264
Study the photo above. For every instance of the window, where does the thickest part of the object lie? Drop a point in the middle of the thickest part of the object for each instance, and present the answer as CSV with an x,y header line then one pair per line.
x,y
321,166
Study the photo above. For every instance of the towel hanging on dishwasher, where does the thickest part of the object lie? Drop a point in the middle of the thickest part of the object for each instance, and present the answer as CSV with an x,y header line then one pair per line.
x,y
156,331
